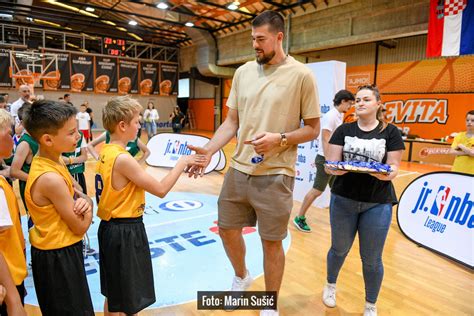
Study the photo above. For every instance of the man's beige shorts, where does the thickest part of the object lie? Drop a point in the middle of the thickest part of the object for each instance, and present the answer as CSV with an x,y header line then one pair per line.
x,y
246,200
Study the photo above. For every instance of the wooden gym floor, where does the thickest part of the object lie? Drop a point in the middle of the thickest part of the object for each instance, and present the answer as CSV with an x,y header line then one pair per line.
x,y
416,282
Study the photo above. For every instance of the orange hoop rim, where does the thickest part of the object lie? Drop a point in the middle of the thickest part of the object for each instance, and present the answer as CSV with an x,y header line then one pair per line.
x,y
35,76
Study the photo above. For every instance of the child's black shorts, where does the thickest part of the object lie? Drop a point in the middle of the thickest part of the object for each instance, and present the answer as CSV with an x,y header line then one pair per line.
x,y
60,281
126,274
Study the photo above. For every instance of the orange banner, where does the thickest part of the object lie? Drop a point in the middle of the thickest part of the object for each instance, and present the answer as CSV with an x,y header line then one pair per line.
x,y
431,116
441,75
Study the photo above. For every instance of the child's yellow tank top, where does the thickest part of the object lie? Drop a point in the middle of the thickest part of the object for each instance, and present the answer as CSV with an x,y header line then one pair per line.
x,y
49,230
12,242
128,202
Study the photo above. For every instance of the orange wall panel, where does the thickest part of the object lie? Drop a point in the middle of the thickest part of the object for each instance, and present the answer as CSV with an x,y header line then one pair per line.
x,y
203,113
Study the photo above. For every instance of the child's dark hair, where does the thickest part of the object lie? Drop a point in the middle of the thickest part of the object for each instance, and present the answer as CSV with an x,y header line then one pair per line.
x,y
343,95
46,117
22,109
471,112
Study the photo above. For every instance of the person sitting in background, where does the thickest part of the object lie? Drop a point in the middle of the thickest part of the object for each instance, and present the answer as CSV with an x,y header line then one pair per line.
x,y
463,147
177,120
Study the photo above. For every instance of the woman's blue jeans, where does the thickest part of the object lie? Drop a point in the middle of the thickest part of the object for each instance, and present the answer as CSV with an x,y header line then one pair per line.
x,y
371,221
150,129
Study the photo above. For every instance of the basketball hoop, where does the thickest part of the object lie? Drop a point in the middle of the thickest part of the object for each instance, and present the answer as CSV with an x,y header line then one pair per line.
x,y
28,68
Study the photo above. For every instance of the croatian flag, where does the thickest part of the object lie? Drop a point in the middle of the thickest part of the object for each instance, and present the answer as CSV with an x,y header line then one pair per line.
x,y
451,28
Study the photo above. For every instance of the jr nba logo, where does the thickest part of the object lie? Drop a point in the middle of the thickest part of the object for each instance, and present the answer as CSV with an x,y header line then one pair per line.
x,y
177,148
445,205
440,200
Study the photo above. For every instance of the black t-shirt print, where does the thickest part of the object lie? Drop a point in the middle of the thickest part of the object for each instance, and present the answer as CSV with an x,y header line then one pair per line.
x,y
365,146
366,150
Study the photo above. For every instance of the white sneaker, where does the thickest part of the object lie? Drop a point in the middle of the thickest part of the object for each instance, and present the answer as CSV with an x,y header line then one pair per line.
x,y
370,309
239,284
269,312
329,295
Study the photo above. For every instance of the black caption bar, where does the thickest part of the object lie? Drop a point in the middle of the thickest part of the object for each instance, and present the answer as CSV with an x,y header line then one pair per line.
x,y
231,300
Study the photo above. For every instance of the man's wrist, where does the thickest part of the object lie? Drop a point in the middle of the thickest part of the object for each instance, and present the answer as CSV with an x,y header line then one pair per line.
x,y
283,140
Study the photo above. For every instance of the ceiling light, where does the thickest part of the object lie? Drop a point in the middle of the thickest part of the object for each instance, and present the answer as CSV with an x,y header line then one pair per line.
x,y
132,23
233,5
46,22
189,24
29,19
135,36
108,22
69,7
121,29
162,5
89,9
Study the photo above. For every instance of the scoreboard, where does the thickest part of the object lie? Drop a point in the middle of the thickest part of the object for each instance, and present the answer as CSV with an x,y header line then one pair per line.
x,y
114,46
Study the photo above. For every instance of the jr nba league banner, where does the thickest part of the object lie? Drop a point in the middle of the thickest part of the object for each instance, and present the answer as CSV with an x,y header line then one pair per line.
x,y
436,211
330,77
167,148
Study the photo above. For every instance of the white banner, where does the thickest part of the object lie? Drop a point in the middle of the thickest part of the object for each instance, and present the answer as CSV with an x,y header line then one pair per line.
x,y
436,211
166,148
331,77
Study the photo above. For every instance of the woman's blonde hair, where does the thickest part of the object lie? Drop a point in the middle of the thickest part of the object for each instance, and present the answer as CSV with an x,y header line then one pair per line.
x,y
6,120
117,109
380,110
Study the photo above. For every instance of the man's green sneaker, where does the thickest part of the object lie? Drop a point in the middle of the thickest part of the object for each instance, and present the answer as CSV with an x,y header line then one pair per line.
x,y
300,223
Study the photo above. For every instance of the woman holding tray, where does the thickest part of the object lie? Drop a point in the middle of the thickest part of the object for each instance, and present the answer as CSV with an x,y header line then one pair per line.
x,y
362,202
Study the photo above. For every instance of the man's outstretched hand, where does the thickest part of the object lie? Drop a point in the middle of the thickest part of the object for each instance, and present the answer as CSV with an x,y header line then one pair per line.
x,y
198,169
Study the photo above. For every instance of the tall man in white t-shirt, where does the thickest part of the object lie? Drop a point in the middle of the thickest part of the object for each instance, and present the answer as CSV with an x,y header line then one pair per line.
x,y
269,98
343,100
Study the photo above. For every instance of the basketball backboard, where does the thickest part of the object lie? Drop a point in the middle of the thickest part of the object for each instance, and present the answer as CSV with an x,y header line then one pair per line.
x,y
30,67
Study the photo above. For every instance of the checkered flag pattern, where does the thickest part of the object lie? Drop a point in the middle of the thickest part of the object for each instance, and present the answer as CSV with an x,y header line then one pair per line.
x,y
453,7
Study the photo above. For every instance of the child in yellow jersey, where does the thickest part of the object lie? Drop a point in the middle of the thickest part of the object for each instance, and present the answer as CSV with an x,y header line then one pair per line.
x,y
60,213
126,275
12,244
463,147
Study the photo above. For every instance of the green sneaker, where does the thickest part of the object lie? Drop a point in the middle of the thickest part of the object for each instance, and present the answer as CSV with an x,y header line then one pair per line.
x,y
300,223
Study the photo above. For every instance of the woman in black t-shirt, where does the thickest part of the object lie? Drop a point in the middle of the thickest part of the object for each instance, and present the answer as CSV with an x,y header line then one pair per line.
x,y
360,202
177,120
